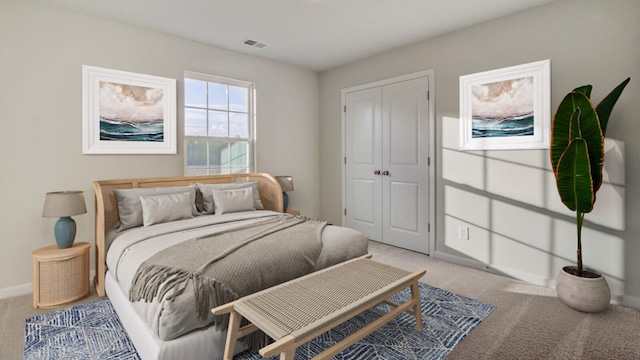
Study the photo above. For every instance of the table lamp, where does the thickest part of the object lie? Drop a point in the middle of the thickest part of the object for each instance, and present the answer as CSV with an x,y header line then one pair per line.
x,y
64,204
286,183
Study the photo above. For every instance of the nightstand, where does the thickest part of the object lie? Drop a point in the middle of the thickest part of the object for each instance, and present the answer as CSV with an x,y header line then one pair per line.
x,y
293,212
60,275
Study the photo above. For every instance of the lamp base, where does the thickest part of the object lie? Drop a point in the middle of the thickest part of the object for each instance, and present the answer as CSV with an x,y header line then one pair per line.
x,y
285,201
65,232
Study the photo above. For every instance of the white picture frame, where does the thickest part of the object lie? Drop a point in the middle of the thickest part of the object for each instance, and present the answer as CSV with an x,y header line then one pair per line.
x,y
127,113
508,108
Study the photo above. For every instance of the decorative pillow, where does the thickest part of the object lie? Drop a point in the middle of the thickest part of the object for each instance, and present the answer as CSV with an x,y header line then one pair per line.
x,y
158,209
233,200
130,208
199,200
207,197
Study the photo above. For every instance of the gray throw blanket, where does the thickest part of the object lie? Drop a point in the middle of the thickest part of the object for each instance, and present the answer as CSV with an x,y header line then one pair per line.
x,y
229,264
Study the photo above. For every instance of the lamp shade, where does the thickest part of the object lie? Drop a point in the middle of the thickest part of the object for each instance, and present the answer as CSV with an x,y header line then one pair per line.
x,y
64,203
286,183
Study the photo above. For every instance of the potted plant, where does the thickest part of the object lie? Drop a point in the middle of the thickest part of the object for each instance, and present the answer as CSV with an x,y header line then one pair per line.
x,y
577,159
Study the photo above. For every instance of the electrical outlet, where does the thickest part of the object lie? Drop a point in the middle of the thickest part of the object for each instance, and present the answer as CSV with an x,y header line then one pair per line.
x,y
463,233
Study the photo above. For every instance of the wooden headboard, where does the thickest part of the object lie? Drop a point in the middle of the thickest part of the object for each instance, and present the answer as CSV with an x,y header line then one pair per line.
x,y
107,206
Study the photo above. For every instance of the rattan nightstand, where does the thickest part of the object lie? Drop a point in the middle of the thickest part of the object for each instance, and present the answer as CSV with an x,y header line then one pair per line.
x,y
60,275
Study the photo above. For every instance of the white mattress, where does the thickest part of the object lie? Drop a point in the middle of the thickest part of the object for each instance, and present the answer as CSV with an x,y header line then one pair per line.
x,y
207,343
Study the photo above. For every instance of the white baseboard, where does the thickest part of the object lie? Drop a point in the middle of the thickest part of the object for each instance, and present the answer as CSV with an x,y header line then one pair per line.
x,y
458,260
631,301
618,299
16,290
28,288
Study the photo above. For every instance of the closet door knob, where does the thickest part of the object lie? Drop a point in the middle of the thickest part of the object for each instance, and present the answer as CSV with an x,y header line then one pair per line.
x,y
377,172
385,173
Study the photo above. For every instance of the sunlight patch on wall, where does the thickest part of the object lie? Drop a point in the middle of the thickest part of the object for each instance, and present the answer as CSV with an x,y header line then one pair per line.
x,y
463,168
479,248
470,207
517,224
519,182
529,227
534,158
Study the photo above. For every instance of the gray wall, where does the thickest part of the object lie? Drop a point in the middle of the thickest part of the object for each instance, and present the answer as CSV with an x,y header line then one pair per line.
x,y
42,51
589,42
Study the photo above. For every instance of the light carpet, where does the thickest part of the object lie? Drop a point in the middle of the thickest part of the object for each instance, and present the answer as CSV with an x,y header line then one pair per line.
x,y
93,331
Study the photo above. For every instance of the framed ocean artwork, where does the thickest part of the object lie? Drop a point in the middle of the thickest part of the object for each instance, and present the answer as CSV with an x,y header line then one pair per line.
x,y
127,113
506,108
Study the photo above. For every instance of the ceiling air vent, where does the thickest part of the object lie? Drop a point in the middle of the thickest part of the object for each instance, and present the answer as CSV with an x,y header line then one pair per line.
x,y
254,43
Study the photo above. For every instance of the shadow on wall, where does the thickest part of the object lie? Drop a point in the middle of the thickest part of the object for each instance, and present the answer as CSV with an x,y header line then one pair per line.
x,y
516,222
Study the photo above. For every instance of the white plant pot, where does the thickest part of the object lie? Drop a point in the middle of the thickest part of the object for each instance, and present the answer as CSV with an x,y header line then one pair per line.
x,y
583,294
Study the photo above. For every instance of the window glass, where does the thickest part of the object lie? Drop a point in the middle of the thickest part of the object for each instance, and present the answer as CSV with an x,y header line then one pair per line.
x,y
218,153
239,125
195,93
218,96
238,99
195,122
218,125
238,154
196,153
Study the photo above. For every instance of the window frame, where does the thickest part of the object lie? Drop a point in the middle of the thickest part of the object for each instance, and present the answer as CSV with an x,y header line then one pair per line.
x,y
251,126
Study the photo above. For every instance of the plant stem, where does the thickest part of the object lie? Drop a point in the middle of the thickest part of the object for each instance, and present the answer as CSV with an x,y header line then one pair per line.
x,y
579,218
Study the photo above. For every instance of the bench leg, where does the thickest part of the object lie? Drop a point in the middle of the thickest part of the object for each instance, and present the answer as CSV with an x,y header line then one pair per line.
x,y
417,312
232,335
288,354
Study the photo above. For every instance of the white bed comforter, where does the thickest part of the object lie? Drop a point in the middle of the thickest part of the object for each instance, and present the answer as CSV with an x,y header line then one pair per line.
x,y
169,320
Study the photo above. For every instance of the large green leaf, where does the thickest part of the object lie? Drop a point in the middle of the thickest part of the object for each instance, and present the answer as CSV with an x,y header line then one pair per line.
x,y
586,90
574,181
574,125
606,105
563,132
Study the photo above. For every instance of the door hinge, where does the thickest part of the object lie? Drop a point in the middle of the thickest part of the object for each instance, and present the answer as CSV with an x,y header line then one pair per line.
x,y
345,108
345,212
345,160
428,161
428,95
428,227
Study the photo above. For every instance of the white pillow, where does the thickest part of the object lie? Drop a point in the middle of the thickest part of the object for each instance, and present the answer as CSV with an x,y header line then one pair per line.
x,y
233,200
207,198
130,209
158,209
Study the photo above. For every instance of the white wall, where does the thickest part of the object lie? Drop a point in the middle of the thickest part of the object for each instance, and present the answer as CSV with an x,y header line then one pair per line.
x,y
524,230
42,49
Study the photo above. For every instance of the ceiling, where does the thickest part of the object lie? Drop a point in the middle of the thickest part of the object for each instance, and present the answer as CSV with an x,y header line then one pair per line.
x,y
312,34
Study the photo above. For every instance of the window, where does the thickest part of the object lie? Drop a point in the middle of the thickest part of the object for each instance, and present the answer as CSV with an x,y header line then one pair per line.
x,y
218,125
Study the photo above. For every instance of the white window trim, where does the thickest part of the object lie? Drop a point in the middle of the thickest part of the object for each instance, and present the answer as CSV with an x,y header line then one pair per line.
x,y
251,111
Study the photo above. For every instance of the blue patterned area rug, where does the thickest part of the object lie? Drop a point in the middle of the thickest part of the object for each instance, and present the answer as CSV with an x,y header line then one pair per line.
x,y
447,318
87,331
93,331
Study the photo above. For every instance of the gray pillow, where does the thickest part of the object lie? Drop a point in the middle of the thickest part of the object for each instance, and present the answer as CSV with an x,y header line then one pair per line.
x,y
159,209
233,200
207,196
130,207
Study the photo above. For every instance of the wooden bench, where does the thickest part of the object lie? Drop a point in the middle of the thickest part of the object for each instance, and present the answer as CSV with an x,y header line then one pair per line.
x,y
297,311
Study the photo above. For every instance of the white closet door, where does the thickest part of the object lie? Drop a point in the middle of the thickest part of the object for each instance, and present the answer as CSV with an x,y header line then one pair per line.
x,y
405,145
364,158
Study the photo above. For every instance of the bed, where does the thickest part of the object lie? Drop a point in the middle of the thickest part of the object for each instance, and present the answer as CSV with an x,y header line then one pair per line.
x,y
171,327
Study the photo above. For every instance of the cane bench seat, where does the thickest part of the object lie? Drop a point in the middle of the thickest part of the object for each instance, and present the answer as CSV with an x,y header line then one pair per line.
x,y
297,311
